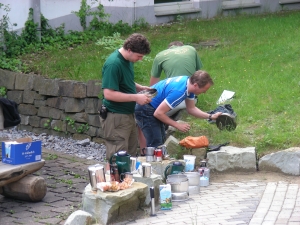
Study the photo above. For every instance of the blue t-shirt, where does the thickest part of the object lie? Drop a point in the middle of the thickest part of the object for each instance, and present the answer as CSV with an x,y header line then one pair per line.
x,y
172,91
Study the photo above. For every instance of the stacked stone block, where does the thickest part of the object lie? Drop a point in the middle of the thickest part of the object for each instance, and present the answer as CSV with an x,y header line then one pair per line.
x,y
41,100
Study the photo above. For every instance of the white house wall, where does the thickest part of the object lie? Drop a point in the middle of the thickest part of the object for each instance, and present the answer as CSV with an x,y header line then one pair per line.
x,y
19,10
60,11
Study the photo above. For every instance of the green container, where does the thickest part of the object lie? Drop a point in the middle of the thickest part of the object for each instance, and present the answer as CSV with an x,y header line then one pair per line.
x,y
174,168
122,159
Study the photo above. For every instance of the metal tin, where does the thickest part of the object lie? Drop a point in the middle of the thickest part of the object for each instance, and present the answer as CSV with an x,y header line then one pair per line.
x,y
194,190
194,178
182,196
179,183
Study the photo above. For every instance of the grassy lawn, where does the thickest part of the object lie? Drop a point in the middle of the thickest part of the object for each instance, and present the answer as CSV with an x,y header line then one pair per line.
x,y
257,57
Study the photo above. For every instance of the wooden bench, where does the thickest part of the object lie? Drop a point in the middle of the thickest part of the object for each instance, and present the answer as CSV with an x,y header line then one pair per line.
x,y
17,181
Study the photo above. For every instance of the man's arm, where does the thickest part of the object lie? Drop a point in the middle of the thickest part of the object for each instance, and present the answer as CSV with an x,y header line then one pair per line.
x,y
117,96
156,71
141,88
193,110
160,113
153,80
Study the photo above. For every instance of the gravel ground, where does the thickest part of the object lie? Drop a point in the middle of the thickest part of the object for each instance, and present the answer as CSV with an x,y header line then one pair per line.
x,y
83,149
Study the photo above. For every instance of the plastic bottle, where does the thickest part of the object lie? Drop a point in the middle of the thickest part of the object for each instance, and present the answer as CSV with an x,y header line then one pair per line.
x,y
204,174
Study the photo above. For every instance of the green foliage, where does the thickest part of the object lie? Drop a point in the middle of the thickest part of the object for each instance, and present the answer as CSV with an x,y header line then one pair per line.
x,y
86,10
140,24
14,46
111,42
51,157
69,182
57,129
78,129
82,128
256,56
70,121
29,34
3,91
47,124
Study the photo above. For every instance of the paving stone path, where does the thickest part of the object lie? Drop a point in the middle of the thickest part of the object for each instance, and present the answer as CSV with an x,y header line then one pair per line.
x,y
66,178
225,201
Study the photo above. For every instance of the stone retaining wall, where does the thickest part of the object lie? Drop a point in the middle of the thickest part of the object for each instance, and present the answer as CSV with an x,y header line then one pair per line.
x,y
41,100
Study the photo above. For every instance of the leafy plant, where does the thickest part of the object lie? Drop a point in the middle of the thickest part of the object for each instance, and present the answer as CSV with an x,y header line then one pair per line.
x,y
47,124
3,91
77,176
250,57
70,121
111,42
57,129
29,33
82,128
70,182
79,129
85,11
139,24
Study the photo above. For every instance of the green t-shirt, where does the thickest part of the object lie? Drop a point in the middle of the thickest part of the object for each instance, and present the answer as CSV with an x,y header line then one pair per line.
x,y
176,61
118,75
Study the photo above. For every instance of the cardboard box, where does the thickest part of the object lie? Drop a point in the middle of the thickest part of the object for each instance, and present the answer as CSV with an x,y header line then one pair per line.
x,y
165,195
21,151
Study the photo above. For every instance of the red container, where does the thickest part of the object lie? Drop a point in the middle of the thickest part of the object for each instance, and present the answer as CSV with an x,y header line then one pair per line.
x,y
158,155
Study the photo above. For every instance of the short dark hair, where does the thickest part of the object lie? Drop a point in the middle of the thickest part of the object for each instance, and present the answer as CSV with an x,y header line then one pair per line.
x,y
137,43
175,43
202,78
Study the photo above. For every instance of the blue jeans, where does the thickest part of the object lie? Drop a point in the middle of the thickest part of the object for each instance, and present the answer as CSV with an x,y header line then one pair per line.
x,y
152,128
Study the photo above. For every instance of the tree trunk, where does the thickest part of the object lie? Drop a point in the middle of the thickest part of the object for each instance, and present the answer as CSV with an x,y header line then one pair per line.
x,y
29,188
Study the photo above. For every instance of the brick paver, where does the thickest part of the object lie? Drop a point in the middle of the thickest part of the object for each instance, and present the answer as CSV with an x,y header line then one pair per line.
x,y
253,202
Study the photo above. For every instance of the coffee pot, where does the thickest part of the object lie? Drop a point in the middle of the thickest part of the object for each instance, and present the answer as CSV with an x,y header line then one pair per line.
x,y
122,159
149,153
174,168
96,175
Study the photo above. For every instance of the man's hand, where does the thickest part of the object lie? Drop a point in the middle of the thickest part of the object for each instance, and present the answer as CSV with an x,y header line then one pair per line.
x,y
216,115
142,99
183,127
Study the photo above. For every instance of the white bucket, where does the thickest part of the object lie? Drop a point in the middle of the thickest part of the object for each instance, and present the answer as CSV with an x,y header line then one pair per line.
x,y
189,162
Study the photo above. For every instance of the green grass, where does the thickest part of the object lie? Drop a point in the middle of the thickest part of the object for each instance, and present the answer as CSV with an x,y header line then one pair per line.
x,y
255,56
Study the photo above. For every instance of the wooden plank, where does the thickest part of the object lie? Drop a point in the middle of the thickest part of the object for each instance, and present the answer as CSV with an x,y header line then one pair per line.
x,y
11,173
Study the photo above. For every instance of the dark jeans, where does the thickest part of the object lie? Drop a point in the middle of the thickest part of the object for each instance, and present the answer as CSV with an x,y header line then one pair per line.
x,y
153,129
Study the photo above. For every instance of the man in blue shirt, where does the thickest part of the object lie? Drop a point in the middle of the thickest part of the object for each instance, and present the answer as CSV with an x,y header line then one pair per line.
x,y
170,93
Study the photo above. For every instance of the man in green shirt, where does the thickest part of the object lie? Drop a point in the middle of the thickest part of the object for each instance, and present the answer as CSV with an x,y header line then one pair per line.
x,y
177,60
120,95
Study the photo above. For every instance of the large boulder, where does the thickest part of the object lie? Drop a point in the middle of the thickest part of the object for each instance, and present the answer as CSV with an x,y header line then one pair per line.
x,y
286,161
231,158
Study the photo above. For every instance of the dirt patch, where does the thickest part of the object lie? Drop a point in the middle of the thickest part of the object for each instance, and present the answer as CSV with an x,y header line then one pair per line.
x,y
260,176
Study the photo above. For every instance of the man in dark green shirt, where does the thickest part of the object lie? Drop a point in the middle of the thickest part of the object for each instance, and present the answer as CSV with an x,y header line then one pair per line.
x,y
177,60
120,95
